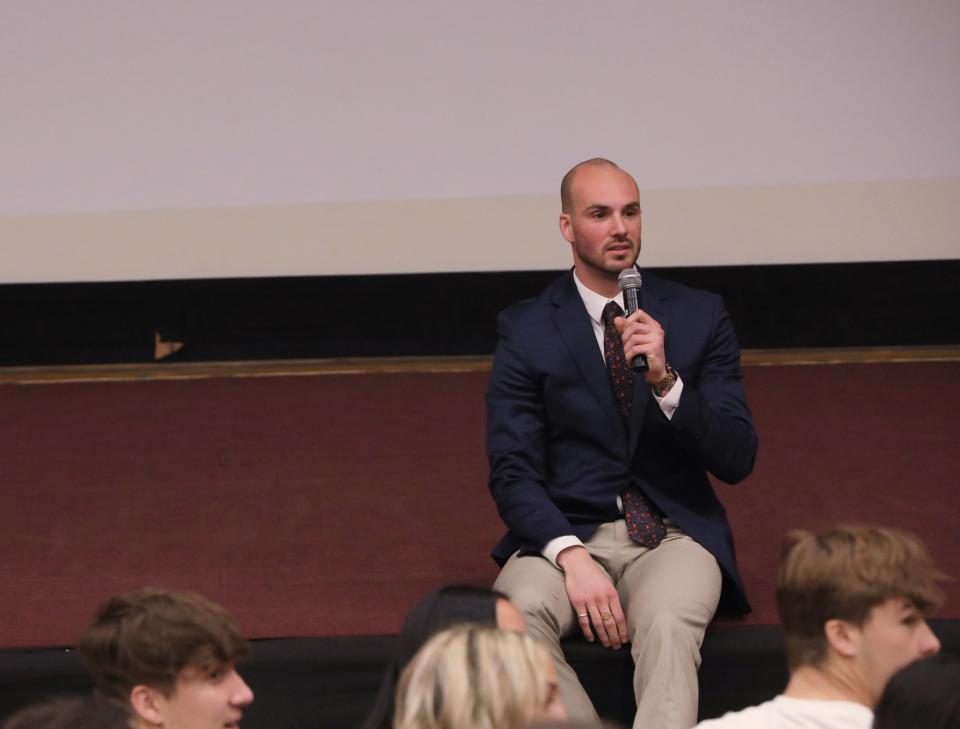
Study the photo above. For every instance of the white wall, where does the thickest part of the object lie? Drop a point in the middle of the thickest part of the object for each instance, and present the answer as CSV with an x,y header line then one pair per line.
x,y
243,138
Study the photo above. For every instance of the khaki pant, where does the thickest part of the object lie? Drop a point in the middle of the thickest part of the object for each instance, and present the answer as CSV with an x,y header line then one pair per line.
x,y
669,594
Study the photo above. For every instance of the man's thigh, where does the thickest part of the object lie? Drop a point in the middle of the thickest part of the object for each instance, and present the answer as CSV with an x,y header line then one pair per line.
x,y
678,578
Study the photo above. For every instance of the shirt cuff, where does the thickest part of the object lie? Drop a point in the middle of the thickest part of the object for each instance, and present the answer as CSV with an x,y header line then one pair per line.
x,y
553,548
669,402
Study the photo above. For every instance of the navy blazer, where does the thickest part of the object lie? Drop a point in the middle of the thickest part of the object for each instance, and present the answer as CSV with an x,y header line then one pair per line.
x,y
560,451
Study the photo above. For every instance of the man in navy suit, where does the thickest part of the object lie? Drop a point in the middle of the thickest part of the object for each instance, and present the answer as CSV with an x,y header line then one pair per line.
x,y
601,477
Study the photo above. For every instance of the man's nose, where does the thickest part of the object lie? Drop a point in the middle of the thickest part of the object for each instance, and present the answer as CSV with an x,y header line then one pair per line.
x,y
241,694
930,643
619,226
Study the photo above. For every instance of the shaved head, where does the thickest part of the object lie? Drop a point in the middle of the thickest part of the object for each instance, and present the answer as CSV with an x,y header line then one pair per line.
x,y
601,222
566,184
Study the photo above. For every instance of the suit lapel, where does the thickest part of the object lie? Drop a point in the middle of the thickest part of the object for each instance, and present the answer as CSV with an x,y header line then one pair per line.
x,y
573,323
652,301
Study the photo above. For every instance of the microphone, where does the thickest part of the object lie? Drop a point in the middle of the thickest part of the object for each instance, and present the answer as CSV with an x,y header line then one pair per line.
x,y
630,282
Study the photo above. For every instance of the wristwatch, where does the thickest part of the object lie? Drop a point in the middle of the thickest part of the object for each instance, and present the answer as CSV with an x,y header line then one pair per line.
x,y
662,387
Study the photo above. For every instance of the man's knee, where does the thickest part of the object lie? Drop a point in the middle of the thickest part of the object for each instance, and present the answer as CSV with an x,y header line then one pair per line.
x,y
538,592
527,598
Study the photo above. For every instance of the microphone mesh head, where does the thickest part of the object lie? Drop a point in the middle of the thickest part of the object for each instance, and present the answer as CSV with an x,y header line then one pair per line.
x,y
629,278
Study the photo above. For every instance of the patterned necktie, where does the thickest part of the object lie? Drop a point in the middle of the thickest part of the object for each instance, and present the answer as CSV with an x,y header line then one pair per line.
x,y
644,524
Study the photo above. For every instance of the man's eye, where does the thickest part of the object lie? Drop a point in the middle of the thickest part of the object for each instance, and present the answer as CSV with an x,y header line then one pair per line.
x,y
215,673
598,214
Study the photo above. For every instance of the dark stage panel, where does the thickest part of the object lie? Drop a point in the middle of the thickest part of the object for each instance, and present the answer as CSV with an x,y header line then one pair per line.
x,y
330,683
883,304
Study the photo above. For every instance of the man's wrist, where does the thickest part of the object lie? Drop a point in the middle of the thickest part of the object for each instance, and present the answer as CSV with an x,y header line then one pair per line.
x,y
552,549
568,554
662,386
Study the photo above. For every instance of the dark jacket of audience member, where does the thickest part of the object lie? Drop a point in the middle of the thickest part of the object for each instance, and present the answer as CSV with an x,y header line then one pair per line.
x,y
440,609
923,695
71,712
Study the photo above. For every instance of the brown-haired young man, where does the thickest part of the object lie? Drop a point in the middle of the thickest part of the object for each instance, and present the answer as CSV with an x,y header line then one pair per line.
x,y
853,602
170,657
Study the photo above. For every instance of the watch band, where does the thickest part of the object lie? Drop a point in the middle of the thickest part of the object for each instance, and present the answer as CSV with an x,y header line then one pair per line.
x,y
662,387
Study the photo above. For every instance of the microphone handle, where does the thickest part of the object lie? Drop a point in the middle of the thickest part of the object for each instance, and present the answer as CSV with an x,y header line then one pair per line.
x,y
631,297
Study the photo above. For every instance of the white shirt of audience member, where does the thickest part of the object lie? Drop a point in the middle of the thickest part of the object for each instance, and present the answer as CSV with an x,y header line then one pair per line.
x,y
785,712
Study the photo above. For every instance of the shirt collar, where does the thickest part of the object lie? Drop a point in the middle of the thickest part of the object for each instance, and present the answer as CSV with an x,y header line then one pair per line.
x,y
593,301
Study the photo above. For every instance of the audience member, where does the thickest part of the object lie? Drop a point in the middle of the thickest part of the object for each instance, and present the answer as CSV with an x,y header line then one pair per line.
x,y
853,603
923,695
443,608
170,657
72,712
474,677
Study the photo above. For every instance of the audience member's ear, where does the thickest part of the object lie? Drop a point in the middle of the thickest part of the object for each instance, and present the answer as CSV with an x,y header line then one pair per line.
x,y
842,637
143,701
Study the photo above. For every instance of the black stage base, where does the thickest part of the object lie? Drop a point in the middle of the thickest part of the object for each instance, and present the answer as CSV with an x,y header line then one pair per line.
x,y
309,683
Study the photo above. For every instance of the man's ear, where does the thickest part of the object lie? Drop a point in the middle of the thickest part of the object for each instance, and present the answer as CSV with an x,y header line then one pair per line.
x,y
143,701
843,637
566,227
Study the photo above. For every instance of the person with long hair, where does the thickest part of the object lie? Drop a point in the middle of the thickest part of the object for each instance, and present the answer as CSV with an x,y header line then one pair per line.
x,y
474,677
440,609
923,694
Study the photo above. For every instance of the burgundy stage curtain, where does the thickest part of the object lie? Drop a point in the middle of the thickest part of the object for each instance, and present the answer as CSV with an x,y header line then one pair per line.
x,y
325,505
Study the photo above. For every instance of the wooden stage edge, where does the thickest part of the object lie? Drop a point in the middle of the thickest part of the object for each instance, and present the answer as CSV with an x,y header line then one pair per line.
x,y
388,365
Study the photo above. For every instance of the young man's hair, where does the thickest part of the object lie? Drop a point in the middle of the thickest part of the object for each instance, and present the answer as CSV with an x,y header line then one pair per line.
x,y
842,574
147,637
72,712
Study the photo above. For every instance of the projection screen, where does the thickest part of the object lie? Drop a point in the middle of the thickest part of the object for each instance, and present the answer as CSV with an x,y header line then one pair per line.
x,y
220,139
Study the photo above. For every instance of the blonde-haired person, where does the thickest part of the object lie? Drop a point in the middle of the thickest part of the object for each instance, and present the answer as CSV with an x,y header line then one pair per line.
x,y
474,677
